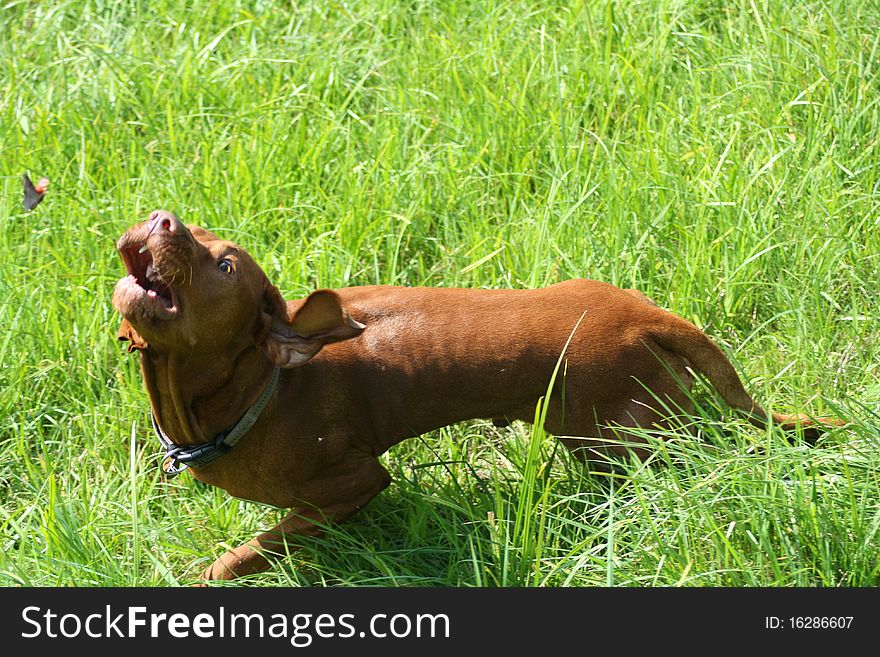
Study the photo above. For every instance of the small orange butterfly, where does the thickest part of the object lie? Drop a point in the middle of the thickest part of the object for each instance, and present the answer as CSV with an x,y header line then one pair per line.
x,y
33,194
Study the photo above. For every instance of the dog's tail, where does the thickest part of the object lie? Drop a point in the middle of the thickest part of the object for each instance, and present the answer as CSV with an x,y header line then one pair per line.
x,y
679,336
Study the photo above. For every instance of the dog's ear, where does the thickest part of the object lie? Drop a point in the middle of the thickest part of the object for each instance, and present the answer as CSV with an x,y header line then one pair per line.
x,y
320,320
127,333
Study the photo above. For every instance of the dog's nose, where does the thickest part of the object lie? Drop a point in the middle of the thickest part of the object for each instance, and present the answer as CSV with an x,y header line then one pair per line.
x,y
162,220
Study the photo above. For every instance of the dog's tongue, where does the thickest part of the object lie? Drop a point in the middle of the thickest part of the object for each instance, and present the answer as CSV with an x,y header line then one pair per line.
x,y
166,299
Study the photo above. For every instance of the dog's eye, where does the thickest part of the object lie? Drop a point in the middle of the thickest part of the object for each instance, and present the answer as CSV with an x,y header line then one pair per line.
x,y
226,266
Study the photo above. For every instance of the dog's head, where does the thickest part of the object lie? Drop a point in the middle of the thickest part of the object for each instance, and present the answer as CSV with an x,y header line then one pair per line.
x,y
189,292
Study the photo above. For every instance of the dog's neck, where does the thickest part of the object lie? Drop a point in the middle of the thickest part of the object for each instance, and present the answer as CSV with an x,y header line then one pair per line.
x,y
195,401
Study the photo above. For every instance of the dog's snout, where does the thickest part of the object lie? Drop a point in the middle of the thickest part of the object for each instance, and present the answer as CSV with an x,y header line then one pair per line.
x,y
162,220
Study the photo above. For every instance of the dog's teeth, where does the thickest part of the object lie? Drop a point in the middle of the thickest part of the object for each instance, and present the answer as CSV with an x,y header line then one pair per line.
x,y
142,249
151,294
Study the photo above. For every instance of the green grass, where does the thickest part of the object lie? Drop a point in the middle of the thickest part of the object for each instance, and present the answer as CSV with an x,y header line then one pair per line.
x,y
720,156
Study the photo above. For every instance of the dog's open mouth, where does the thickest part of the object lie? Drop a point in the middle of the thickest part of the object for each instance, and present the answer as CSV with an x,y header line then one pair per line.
x,y
143,274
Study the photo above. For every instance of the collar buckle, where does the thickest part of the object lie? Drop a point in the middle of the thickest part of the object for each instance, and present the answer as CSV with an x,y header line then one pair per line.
x,y
171,467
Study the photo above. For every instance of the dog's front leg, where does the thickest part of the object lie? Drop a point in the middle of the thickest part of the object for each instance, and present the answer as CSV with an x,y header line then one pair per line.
x,y
255,556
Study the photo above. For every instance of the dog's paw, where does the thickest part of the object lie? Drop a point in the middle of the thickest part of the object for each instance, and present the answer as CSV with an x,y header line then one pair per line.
x,y
244,560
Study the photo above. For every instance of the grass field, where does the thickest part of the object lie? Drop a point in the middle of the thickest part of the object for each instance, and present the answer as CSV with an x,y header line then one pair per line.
x,y
722,157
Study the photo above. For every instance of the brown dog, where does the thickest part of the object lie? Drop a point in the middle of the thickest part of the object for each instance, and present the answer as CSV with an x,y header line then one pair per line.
x,y
213,332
